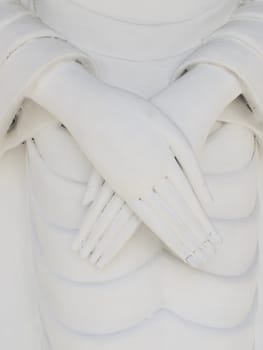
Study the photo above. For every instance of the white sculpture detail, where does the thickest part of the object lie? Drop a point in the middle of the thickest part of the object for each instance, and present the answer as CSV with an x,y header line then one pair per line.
x,y
142,129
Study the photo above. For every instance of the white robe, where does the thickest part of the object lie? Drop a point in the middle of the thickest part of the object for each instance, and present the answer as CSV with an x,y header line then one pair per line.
x,y
85,308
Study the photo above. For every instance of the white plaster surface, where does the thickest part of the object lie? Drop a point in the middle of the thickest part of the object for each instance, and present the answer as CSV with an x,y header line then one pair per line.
x,y
145,297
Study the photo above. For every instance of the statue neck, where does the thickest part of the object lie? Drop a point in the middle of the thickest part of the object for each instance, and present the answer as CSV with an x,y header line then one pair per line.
x,y
149,11
98,27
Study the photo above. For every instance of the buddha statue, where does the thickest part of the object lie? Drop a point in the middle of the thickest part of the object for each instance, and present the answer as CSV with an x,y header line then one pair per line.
x,y
130,152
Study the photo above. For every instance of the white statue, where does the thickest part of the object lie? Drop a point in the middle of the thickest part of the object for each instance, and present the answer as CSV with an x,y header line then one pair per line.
x,y
139,127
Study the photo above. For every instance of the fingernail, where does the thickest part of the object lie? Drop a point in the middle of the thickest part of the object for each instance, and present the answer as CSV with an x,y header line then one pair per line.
x,y
84,253
192,261
88,198
200,254
94,257
209,246
215,237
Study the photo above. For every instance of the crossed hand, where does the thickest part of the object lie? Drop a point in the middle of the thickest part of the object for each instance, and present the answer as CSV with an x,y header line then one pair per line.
x,y
170,204
145,170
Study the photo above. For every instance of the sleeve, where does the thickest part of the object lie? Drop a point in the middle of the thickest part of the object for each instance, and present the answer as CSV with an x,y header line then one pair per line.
x,y
238,47
27,49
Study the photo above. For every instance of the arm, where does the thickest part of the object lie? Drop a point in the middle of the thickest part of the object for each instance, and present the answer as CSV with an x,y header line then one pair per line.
x,y
27,49
196,100
229,64
105,113
144,147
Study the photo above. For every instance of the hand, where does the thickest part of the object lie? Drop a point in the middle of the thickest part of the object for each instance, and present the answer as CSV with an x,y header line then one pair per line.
x,y
108,222
208,101
142,155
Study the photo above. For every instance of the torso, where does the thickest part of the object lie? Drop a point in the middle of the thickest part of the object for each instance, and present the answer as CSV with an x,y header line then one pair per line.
x,y
146,298
149,11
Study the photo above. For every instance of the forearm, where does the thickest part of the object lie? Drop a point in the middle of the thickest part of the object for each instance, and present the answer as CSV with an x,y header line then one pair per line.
x,y
112,127
204,82
237,47
111,134
228,64
65,91
27,49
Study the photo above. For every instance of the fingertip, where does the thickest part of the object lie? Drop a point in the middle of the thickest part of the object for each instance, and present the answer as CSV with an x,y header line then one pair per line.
x,y
209,247
100,264
94,257
88,198
84,253
216,238
192,260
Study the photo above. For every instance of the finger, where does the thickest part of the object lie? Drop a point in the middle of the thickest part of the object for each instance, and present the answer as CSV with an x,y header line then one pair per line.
x,y
198,232
117,224
209,247
177,178
120,239
93,212
182,150
177,226
188,162
205,248
101,225
109,247
176,203
94,183
159,226
192,260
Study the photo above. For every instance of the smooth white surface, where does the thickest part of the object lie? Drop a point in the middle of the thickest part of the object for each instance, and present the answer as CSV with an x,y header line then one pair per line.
x,y
142,167
150,11
155,295
19,318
